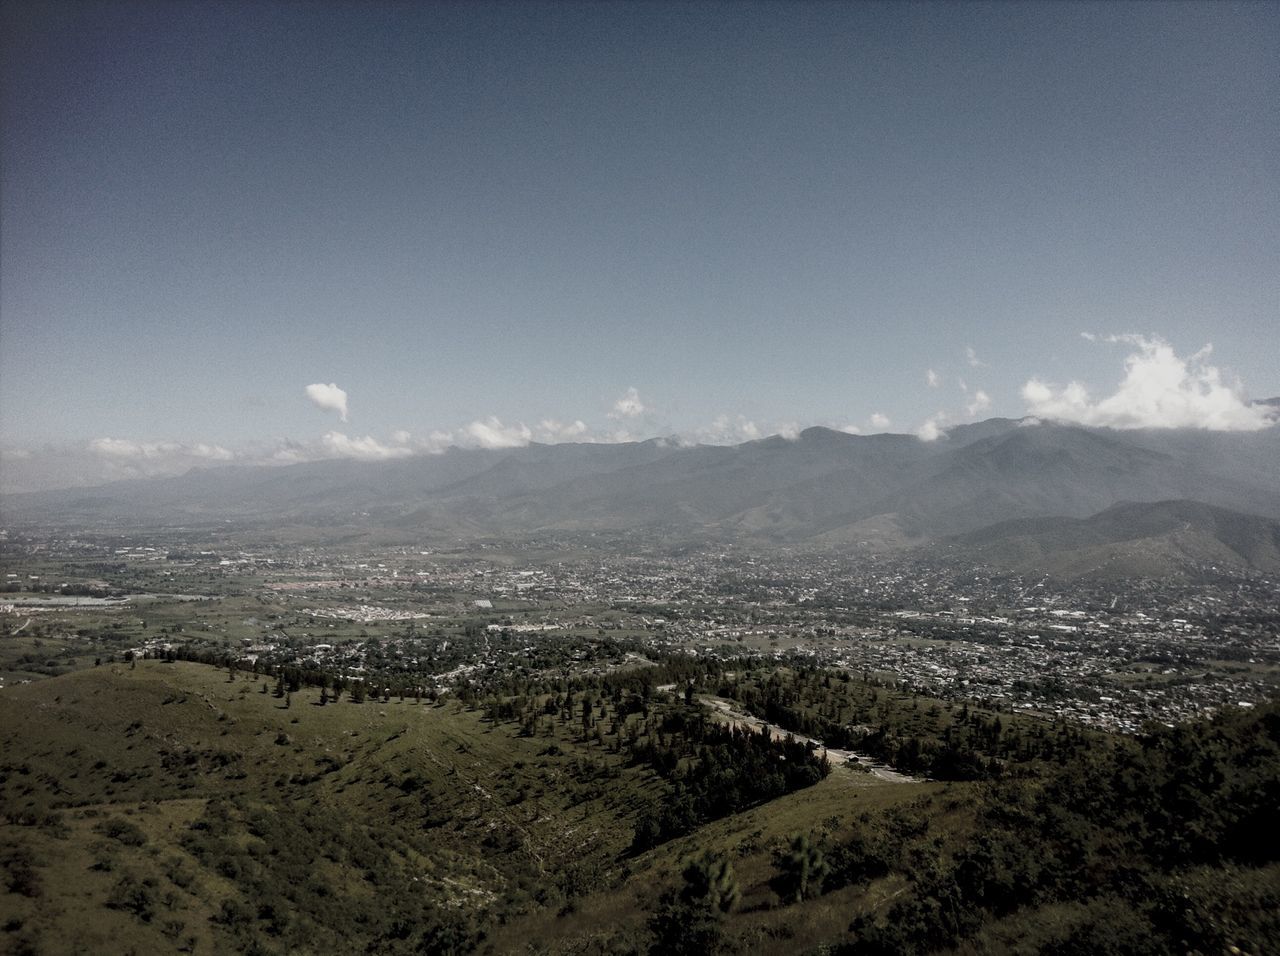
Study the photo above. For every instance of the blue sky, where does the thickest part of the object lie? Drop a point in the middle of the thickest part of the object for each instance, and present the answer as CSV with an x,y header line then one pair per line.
x,y
755,216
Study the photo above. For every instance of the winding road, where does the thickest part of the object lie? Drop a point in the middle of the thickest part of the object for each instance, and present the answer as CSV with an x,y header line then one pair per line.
x,y
876,768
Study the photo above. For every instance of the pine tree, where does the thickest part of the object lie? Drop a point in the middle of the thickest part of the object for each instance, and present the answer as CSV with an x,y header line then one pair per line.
x,y
688,923
803,868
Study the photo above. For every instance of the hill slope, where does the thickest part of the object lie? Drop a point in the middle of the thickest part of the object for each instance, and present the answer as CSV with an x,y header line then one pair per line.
x,y
167,808
1132,539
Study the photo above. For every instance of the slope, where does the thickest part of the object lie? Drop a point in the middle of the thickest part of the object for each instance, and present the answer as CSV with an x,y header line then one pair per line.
x,y
1183,539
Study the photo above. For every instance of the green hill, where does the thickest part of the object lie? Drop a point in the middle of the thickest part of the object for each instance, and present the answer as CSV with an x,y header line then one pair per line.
x,y
175,807
166,807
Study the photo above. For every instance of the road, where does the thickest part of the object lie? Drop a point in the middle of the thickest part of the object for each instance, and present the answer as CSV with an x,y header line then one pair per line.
x,y
877,769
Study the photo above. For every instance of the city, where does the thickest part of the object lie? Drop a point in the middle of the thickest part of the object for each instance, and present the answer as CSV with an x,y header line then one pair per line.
x,y
1113,656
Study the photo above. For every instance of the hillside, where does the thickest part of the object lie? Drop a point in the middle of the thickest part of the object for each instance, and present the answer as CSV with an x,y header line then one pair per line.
x,y
1167,539
165,807
178,807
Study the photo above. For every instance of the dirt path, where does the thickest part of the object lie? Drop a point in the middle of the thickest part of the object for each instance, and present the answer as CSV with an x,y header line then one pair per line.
x,y
738,718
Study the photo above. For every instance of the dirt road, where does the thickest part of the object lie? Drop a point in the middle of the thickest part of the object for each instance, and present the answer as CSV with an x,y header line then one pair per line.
x,y
739,719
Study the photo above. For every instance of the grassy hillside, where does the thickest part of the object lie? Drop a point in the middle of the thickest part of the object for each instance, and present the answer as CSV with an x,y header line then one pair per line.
x,y
164,807
173,807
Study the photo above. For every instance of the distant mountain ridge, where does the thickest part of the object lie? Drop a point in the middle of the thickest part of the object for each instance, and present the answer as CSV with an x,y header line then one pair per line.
x,y
824,488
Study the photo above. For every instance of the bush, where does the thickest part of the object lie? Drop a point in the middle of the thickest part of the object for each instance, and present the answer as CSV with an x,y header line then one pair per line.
x,y
133,896
122,831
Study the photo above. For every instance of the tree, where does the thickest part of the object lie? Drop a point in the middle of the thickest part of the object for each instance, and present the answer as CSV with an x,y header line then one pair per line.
x,y
709,879
688,923
801,871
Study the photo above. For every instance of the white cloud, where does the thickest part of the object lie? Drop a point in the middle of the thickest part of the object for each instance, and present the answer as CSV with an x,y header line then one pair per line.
x,y
329,397
552,431
724,430
79,464
367,448
628,406
971,357
1159,390
879,421
401,437
491,433
981,402
127,449
932,378
212,452
931,429
124,448
289,453
850,429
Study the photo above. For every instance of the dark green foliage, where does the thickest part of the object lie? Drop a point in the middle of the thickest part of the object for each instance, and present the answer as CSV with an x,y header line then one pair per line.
x,y
862,716
801,870
122,831
1115,828
867,855
731,770
1110,929
688,921
18,864
134,896
709,881
282,898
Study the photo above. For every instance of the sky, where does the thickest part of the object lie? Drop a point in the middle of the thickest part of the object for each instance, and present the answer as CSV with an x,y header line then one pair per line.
x,y
263,232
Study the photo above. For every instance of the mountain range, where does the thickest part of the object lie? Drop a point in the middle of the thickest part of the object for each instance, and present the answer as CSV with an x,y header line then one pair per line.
x,y
823,488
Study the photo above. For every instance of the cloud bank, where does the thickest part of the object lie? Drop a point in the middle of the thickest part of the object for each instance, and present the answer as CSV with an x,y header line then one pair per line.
x,y
724,430
552,431
1160,389
367,448
329,397
126,450
491,433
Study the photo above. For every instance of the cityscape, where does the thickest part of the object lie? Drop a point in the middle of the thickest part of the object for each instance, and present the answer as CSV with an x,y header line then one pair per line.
x,y
1113,656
